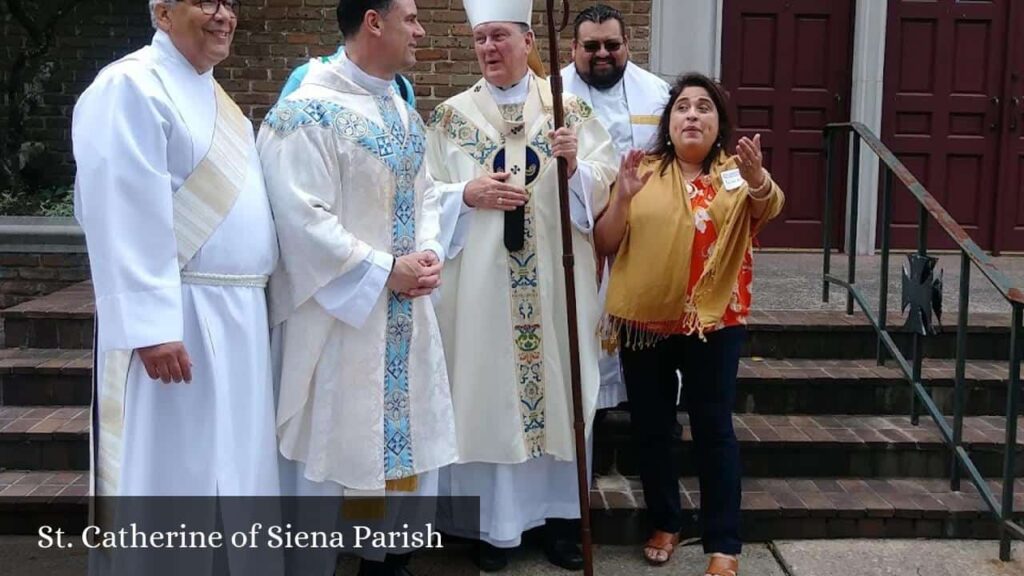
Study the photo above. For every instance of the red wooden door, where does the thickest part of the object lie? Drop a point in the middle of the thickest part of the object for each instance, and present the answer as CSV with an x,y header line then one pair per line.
x,y
786,65
944,68
1010,199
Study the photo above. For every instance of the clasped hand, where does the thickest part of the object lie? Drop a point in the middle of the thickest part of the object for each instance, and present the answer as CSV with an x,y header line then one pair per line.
x,y
416,274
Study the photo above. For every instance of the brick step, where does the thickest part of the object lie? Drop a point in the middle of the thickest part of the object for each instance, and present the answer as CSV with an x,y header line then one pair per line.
x,y
824,387
807,508
45,377
773,446
44,438
834,335
30,499
63,319
56,438
784,508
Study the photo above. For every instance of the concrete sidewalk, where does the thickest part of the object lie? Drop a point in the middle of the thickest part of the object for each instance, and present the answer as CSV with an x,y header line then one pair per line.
x,y
792,281
20,556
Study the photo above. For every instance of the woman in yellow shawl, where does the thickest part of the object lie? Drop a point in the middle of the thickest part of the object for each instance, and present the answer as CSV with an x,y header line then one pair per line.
x,y
681,225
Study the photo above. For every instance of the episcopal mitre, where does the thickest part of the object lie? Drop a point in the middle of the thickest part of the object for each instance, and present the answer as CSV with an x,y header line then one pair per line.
x,y
484,11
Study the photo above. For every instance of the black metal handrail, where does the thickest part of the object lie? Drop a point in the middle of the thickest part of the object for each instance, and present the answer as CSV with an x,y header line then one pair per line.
x,y
970,253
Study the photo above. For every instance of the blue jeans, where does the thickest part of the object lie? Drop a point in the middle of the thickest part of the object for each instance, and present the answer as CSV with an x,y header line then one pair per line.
x,y
709,388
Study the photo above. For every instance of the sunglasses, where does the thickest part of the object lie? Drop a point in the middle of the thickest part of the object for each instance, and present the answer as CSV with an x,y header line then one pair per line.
x,y
594,46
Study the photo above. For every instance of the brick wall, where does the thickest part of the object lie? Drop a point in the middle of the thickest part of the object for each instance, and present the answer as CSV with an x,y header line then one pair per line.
x,y
27,275
273,37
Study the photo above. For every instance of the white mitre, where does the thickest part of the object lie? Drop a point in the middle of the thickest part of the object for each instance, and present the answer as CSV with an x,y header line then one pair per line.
x,y
484,11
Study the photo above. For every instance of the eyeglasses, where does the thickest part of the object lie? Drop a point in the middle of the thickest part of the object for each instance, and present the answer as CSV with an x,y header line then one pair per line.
x,y
594,46
211,7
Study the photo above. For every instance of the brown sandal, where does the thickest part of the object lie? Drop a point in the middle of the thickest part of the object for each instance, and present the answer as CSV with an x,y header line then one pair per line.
x,y
660,542
722,566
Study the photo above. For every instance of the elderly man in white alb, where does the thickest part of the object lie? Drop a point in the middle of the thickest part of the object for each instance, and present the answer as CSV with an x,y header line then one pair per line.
x,y
628,100
503,309
169,192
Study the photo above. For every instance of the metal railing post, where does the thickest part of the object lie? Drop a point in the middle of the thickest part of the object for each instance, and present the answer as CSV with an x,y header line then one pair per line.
x,y
826,240
883,296
961,367
851,234
917,340
1012,410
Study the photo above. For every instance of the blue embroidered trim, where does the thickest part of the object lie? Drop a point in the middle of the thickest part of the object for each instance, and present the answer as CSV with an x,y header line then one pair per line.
x,y
403,154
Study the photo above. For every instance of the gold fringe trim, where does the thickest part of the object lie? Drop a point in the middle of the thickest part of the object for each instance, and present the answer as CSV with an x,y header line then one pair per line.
x,y
363,508
640,335
407,484
616,332
374,507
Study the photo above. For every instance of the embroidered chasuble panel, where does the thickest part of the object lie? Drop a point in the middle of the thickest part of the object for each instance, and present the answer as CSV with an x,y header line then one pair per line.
x,y
483,149
402,152
524,284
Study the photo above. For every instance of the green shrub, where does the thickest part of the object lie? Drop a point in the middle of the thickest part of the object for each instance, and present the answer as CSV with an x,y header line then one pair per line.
x,y
50,201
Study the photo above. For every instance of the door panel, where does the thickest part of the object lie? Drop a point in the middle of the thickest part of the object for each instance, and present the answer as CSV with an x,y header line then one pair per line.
x,y
786,65
1010,201
944,67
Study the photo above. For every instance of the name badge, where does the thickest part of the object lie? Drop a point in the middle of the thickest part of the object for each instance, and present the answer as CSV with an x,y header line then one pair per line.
x,y
731,179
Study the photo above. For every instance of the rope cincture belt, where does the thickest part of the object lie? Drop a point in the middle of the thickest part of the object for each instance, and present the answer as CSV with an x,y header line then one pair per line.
x,y
239,280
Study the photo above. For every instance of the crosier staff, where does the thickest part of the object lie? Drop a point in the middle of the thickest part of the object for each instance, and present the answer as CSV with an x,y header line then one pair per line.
x,y
568,263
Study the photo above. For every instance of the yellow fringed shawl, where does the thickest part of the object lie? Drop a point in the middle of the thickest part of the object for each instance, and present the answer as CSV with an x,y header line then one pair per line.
x,y
647,292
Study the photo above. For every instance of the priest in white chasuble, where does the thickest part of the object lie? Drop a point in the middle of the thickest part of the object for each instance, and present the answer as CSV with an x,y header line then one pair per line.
x,y
169,192
503,306
364,402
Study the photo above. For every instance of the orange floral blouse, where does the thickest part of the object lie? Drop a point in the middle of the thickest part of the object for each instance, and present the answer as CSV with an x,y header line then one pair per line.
x,y
701,194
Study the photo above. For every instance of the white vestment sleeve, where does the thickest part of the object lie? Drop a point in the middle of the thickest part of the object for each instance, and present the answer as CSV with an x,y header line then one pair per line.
x,y
580,212
454,214
597,166
429,228
302,173
352,296
123,202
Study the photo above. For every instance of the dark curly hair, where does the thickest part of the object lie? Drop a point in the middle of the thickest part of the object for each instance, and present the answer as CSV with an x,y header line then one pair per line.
x,y
663,148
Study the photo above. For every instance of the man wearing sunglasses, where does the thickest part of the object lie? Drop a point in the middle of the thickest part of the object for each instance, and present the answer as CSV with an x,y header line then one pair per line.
x,y
628,100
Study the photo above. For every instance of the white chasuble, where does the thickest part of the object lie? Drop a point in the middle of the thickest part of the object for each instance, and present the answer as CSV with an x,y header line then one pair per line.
x,y
502,313
364,398
165,270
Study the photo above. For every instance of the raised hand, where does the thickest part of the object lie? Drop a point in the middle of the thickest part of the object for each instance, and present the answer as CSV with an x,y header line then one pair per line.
x,y
629,183
749,161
